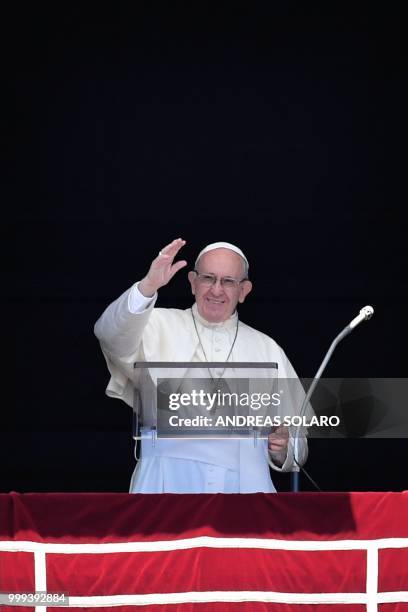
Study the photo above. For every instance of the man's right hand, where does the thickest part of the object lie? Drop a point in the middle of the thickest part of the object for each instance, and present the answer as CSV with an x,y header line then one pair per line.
x,y
162,268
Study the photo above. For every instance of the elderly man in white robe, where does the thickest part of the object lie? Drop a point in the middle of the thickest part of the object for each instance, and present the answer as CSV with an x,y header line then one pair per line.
x,y
132,330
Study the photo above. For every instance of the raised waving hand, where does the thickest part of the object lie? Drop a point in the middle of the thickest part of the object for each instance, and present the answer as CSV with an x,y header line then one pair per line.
x,y
162,268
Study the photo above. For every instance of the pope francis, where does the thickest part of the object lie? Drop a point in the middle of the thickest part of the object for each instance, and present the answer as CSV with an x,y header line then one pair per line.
x,y
132,330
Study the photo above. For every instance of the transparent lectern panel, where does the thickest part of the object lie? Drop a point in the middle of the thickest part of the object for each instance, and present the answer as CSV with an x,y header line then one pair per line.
x,y
213,400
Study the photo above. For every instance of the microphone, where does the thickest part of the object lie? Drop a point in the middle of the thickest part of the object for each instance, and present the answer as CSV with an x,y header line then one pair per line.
x,y
365,314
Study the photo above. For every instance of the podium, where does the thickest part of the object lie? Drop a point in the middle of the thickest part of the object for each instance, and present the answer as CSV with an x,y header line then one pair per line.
x,y
193,418
205,384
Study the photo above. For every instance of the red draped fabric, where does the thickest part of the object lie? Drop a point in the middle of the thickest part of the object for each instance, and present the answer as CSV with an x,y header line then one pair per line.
x,y
283,552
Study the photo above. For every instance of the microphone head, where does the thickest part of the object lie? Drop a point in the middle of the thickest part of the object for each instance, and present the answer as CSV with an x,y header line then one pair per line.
x,y
367,312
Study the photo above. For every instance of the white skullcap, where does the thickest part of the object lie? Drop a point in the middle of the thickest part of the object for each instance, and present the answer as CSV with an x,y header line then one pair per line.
x,y
221,245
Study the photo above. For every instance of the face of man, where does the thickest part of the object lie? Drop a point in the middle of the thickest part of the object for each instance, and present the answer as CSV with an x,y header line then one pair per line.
x,y
216,303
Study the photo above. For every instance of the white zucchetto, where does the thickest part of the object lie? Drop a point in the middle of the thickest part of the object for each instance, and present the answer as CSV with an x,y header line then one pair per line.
x,y
221,245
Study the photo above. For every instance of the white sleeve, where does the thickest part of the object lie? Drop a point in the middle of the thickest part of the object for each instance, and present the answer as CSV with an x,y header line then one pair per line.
x,y
283,461
120,333
119,330
137,302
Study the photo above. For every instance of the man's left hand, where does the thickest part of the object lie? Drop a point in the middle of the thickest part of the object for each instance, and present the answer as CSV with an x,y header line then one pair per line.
x,y
278,440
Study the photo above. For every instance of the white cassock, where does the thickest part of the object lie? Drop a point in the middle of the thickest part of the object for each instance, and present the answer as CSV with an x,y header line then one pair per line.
x,y
132,330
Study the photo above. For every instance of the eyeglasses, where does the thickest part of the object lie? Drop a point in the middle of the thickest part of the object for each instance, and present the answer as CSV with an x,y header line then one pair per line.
x,y
227,282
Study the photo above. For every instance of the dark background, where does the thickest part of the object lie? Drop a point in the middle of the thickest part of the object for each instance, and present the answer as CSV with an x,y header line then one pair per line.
x,y
275,126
